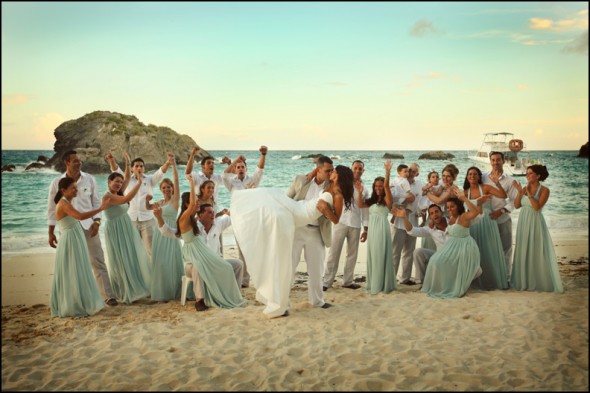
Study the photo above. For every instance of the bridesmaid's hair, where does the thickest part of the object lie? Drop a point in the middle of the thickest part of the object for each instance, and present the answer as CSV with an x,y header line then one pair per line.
x,y
112,177
459,203
64,183
452,169
186,200
540,170
346,184
202,187
466,184
167,181
374,197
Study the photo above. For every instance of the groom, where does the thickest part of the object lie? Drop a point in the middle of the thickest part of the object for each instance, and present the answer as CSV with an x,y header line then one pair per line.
x,y
315,237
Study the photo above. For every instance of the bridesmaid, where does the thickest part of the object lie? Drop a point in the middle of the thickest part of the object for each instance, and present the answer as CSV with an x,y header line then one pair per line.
x,y
128,260
74,291
535,263
456,264
207,195
485,230
167,265
380,272
219,286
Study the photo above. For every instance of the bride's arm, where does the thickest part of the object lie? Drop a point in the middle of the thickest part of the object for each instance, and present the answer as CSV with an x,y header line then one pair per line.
x,y
326,209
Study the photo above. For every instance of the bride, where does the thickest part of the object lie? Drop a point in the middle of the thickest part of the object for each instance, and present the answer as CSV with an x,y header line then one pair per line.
x,y
264,222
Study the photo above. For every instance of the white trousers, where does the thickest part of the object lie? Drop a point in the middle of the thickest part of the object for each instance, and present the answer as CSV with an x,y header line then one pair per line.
x,y
309,240
421,258
146,232
506,239
101,274
403,246
341,232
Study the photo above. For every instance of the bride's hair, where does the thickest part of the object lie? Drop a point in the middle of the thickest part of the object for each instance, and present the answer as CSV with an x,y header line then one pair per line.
x,y
346,184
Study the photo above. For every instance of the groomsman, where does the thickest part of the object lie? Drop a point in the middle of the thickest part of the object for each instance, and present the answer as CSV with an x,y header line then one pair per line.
x,y
313,238
235,178
86,200
501,208
438,232
206,172
142,218
348,228
403,245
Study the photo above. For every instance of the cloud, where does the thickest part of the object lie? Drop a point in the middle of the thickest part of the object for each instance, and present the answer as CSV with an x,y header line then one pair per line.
x,y
578,22
417,81
423,27
44,126
540,24
579,45
14,99
522,86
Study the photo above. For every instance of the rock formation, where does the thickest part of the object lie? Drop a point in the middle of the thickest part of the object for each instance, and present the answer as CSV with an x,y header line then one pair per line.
x,y
436,155
395,156
95,134
583,151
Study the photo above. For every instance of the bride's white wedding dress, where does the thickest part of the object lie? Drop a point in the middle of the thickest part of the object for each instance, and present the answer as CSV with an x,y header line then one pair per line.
x,y
264,222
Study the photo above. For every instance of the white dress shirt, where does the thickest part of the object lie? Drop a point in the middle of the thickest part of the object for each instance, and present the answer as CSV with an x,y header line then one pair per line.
x,y
498,203
439,237
314,191
212,239
356,217
137,210
200,178
86,200
232,182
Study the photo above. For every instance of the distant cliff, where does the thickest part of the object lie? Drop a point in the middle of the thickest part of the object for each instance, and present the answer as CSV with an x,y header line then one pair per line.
x,y
95,134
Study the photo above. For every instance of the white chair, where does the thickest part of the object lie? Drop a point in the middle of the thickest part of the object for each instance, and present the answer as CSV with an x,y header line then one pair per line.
x,y
185,281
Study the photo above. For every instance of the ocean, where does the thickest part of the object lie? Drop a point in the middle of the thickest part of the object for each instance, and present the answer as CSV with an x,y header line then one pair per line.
x,y
24,193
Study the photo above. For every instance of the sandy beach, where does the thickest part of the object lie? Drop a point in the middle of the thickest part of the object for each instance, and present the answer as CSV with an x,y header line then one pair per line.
x,y
497,341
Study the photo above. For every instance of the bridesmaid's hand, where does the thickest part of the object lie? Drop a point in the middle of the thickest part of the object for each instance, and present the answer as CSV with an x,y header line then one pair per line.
x,y
157,210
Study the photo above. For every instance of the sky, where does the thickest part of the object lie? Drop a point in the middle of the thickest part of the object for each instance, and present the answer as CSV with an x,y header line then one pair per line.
x,y
301,75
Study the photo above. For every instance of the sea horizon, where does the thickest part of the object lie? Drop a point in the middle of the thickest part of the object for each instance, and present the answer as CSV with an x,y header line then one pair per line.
x,y
24,193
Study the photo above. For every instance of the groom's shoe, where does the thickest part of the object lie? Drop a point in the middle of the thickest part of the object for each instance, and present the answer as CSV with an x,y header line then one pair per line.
x,y
327,305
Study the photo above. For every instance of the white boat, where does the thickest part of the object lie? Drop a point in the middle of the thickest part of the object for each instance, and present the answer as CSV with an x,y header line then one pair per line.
x,y
516,157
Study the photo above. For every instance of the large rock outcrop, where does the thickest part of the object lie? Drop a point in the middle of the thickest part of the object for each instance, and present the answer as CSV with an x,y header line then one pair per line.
x,y
436,155
583,151
95,134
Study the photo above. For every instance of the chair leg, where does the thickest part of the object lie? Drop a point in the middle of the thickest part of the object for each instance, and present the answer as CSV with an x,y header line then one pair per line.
x,y
185,281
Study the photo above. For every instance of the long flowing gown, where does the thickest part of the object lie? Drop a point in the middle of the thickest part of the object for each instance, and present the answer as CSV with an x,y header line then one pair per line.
x,y
220,288
380,272
127,259
486,234
74,291
535,263
167,265
264,222
453,267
